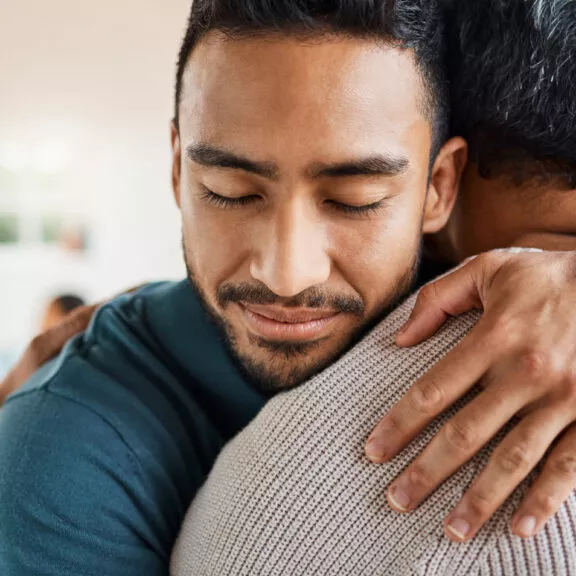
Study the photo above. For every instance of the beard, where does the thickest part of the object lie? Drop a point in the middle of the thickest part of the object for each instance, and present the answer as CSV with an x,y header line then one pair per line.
x,y
297,358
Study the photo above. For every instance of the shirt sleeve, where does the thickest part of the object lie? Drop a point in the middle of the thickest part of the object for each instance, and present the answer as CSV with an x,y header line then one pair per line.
x,y
72,501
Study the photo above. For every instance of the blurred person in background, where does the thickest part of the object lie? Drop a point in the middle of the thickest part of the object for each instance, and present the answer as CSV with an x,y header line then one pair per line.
x,y
148,396
52,316
58,308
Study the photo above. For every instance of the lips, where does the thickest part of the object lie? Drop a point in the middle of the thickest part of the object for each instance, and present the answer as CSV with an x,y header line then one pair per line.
x,y
290,315
287,324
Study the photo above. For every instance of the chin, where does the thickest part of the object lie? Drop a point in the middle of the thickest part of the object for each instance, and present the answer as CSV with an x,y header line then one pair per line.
x,y
278,366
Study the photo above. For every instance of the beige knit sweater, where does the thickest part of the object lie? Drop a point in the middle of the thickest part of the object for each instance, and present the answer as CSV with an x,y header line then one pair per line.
x,y
293,494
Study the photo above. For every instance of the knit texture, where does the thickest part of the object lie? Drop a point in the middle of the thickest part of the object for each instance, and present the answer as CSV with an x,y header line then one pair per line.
x,y
293,494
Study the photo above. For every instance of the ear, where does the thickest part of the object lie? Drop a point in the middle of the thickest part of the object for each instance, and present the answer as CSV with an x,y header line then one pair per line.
x,y
176,161
444,184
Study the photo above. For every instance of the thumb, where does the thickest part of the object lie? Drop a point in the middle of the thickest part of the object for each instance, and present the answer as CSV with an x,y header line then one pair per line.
x,y
451,295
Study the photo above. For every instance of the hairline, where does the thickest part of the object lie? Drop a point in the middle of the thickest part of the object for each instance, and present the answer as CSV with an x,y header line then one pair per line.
x,y
426,101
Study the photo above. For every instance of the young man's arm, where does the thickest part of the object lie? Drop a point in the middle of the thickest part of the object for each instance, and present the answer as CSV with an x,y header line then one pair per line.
x,y
72,499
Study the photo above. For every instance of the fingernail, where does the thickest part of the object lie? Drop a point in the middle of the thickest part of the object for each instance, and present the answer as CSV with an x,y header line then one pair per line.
x,y
399,498
375,450
458,528
526,526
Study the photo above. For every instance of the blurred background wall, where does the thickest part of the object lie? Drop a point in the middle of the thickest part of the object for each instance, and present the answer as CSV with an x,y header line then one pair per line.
x,y
85,200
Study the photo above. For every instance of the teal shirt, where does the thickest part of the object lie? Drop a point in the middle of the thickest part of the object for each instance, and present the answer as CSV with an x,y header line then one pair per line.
x,y
102,451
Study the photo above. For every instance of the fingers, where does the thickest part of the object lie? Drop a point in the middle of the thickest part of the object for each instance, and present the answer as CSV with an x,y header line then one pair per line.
x,y
551,489
447,381
461,438
510,463
451,295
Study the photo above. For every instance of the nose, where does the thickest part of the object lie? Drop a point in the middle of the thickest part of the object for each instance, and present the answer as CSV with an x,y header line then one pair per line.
x,y
292,255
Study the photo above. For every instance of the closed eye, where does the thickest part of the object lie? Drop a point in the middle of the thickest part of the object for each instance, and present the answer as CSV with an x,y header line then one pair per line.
x,y
225,202
356,210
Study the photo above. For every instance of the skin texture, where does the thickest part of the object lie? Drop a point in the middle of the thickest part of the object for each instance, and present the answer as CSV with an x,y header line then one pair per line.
x,y
53,315
303,112
495,213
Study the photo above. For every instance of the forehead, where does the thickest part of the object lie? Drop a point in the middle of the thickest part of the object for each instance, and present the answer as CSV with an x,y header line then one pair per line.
x,y
281,91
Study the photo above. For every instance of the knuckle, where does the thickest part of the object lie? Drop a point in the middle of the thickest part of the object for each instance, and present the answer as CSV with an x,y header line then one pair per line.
x,y
563,465
536,363
419,476
491,262
513,460
459,435
485,259
479,504
545,504
394,423
427,293
427,397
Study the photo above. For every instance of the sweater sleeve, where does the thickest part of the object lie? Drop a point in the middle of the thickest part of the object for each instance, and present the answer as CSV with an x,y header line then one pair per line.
x,y
71,498
552,551
499,553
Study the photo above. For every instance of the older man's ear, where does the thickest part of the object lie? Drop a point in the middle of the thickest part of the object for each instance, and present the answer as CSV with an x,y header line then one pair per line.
x,y
444,184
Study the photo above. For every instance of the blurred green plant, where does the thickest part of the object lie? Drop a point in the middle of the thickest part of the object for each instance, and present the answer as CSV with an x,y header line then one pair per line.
x,y
8,229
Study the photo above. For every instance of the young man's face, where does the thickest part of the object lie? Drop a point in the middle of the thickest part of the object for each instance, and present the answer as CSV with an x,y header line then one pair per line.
x,y
302,173
498,213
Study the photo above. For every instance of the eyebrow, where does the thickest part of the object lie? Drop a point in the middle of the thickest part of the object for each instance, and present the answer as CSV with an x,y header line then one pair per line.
x,y
217,158
378,165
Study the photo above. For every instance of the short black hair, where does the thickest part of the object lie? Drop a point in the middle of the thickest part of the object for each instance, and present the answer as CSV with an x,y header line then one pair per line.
x,y
512,65
411,24
69,302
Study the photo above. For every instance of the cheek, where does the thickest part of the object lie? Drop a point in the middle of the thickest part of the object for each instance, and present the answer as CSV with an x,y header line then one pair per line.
x,y
215,245
376,255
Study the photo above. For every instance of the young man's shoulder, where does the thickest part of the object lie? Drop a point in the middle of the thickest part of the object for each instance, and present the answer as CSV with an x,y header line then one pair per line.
x,y
153,356
122,369
102,450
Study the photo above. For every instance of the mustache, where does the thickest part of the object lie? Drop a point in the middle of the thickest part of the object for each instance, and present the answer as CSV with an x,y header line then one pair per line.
x,y
252,293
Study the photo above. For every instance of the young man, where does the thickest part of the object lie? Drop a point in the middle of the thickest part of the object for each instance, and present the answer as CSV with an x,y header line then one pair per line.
x,y
310,154
294,494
